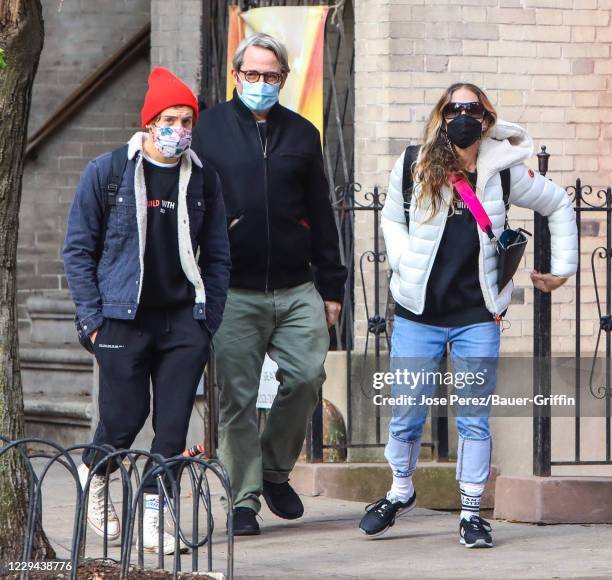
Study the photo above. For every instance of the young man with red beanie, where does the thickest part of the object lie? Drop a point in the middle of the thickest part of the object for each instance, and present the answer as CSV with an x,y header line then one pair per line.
x,y
145,306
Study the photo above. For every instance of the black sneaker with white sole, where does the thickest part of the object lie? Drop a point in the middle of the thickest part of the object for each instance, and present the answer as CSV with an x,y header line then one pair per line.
x,y
381,515
475,533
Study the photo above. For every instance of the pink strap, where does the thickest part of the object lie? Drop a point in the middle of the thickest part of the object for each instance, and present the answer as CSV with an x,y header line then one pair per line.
x,y
471,200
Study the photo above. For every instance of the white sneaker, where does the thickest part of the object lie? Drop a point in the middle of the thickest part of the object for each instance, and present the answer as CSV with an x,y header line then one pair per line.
x,y
95,507
150,528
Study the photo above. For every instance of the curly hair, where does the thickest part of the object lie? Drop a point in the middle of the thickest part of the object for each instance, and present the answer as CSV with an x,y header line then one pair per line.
x,y
437,157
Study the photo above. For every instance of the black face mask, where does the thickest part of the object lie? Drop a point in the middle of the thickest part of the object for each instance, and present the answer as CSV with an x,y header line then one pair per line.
x,y
464,131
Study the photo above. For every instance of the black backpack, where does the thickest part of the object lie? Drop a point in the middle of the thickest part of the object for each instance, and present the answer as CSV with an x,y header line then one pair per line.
x,y
410,156
113,183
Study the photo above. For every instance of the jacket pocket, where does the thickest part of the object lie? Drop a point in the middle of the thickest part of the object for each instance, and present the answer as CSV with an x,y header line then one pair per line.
x,y
292,168
302,154
395,260
292,245
248,248
235,221
195,211
121,226
125,210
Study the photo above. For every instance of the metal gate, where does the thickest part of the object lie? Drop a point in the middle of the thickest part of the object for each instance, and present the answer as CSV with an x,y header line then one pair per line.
x,y
593,209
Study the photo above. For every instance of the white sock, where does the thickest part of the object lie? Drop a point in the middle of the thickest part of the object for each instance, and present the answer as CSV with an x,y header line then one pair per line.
x,y
151,501
401,490
471,494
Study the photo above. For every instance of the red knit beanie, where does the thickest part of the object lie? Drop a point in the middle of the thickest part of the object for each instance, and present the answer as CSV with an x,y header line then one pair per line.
x,y
165,91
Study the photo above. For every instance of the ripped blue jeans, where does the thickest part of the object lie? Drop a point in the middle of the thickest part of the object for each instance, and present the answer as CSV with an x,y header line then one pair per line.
x,y
417,349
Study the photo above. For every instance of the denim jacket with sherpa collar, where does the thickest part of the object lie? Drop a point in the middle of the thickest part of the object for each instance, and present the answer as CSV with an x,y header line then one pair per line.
x,y
109,284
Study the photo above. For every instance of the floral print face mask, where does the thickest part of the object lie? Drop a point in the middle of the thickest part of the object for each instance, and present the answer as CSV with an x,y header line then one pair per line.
x,y
170,141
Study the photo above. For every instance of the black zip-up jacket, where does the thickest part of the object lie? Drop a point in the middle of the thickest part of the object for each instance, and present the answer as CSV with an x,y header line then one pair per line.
x,y
280,220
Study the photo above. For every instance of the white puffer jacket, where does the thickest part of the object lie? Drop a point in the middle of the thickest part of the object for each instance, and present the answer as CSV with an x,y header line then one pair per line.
x,y
411,255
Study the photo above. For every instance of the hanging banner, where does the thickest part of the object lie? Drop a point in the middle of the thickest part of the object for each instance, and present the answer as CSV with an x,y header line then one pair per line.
x,y
302,30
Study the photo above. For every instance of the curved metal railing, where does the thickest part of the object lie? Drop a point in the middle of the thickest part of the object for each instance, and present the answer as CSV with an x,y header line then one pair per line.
x,y
168,474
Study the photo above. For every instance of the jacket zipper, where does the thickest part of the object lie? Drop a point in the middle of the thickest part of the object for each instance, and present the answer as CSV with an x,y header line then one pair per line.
x,y
497,317
264,150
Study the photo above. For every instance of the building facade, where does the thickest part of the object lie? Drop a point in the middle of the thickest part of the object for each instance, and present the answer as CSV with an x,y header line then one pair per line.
x,y
545,64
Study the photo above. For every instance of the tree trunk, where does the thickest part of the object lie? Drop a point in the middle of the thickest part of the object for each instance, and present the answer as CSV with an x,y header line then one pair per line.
x,y
21,39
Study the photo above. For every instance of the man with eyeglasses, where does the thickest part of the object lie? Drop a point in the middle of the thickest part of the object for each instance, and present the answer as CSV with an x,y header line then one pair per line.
x,y
286,283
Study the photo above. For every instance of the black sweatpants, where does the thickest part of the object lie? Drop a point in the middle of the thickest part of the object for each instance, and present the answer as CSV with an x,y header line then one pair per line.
x,y
165,348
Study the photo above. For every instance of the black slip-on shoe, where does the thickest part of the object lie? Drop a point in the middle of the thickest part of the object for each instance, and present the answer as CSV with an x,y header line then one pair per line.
x,y
245,522
282,500
381,515
475,533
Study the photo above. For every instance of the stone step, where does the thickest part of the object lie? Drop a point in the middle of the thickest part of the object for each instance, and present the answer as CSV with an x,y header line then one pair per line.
x,y
65,420
56,371
434,483
52,320
554,500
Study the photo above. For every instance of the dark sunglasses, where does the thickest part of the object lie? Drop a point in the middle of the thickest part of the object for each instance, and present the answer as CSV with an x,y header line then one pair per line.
x,y
474,109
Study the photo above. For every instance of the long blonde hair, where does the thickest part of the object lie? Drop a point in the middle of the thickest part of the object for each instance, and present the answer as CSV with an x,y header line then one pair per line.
x,y
437,158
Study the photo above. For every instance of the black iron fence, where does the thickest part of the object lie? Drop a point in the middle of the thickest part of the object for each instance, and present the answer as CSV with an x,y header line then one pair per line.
x,y
368,281
377,312
541,338
593,208
169,474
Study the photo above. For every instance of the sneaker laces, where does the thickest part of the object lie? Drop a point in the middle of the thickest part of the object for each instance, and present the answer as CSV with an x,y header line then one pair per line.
x,y
380,508
477,524
96,496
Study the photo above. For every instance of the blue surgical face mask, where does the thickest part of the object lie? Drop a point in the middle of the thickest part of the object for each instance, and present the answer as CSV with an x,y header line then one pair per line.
x,y
259,96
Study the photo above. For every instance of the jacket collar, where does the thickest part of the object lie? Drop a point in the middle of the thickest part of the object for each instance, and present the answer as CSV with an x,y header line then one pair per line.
x,y
245,114
135,147
507,145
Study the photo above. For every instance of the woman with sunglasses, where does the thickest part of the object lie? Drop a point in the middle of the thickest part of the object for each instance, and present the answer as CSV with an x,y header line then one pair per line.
x,y
444,283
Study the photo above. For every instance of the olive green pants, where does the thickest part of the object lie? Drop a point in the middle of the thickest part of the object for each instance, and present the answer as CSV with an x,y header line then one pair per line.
x,y
290,326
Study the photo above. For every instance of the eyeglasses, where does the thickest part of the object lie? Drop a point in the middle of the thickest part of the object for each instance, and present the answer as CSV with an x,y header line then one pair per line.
x,y
270,78
474,109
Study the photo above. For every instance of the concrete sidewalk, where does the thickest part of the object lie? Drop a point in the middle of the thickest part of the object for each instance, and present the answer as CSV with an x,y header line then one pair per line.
x,y
326,543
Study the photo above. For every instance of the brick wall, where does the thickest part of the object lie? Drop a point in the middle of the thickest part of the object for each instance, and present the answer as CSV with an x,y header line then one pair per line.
x,y
78,38
545,64
175,38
